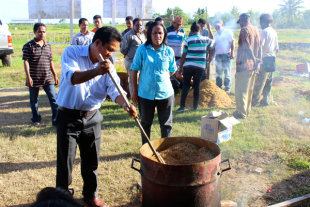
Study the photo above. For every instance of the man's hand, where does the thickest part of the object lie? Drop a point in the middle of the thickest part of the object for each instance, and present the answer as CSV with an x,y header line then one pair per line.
x,y
29,82
179,76
103,67
232,56
56,81
132,111
257,65
208,26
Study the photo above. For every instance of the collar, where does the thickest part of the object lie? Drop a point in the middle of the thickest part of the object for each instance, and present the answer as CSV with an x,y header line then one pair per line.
x,y
35,42
162,47
84,50
197,34
80,33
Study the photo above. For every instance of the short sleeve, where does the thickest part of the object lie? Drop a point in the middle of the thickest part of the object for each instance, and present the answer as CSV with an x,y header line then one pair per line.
x,y
26,51
124,45
74,40
137,61
172,63
263,37
210,44
231,34
185,48
51,55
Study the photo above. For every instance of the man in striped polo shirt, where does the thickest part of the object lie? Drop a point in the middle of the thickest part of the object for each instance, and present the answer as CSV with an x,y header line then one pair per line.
x,y
176,37
193,63
39,69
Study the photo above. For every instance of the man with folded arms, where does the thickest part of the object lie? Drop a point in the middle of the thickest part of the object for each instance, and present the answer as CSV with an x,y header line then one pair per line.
x,y
247,65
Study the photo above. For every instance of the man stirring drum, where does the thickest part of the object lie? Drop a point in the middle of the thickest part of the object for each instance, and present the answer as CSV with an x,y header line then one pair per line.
x,y
84,86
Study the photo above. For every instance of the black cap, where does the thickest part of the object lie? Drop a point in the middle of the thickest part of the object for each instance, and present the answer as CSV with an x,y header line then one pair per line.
x,y
244,16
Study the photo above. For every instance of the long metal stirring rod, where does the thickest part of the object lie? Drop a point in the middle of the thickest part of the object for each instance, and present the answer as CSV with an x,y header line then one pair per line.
x,y
157,155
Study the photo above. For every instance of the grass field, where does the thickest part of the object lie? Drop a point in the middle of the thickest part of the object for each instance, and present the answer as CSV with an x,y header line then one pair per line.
x,y
273,138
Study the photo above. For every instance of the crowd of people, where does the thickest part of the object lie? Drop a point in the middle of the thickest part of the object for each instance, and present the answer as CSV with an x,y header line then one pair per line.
x,y
160,62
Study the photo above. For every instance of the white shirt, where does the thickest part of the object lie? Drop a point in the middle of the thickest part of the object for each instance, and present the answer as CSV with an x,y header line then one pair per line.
x,y
81,39
85,96
269,40
223,39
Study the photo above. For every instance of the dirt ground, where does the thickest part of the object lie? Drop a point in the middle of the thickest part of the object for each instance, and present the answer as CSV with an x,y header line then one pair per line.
x,y
248,174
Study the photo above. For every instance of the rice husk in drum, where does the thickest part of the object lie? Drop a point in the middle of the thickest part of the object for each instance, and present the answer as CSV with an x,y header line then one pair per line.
x,y
185,153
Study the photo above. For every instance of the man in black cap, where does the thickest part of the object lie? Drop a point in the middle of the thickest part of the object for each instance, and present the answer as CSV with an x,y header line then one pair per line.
x,y
247,64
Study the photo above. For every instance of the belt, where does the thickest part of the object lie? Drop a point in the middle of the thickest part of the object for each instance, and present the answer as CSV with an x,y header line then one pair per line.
x,y
77,112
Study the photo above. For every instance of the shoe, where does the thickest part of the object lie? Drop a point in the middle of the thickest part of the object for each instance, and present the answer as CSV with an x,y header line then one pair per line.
x,y
36,124
94,202
180,110
237,115
71,191
262,104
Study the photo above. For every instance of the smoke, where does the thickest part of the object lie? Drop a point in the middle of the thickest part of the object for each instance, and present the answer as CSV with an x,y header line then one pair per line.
x,y
231,24
229,20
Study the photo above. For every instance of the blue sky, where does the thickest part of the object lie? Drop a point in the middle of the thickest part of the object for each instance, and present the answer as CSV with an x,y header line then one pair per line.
x,y
18,9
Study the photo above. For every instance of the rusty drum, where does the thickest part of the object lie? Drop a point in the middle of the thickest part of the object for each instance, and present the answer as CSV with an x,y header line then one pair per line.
x,y
190,185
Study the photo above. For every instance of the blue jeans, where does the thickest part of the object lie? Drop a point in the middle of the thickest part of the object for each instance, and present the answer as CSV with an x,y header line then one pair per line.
x,y
223,64
33,94
188,73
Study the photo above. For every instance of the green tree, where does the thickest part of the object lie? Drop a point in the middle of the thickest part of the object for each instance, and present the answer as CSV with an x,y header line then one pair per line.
x,y
254,15
278,21
201,13
290,10
177,11
235,12
155,15
306,19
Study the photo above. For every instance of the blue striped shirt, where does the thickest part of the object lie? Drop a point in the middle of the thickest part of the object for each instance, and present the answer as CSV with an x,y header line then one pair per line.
x,y
175,40
85,96
197,47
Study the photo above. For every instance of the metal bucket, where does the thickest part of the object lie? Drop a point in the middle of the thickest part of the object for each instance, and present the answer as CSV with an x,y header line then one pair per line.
x,y
191,185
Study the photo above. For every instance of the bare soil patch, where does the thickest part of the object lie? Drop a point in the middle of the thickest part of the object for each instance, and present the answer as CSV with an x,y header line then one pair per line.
x,y
211,96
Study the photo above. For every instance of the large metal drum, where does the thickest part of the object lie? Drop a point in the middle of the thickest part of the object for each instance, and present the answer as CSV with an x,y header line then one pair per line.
x,y
190,185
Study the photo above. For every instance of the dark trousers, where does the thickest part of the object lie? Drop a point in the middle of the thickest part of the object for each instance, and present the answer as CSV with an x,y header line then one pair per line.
x,y
188,73
33,95
164,111
72,130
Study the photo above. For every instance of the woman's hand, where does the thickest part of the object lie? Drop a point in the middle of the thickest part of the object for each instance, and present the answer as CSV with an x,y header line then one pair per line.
x,y
134,97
